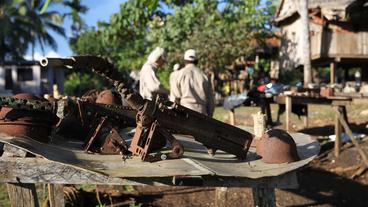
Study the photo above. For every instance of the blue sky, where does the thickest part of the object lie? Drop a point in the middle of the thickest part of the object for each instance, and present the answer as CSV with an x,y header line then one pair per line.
x,y
99,10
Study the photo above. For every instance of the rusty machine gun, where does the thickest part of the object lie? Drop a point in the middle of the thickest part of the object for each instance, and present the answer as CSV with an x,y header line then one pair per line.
x,y
157,119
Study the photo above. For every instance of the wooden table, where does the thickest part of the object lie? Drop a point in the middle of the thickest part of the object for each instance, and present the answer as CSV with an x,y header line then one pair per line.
x,y
60,164
338,103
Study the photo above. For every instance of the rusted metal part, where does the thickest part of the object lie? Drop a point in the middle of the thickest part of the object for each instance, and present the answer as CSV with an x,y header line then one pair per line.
x,y
277,146
23,122
94,135
326,92
108,97
106,140
210,132
114,144
28,110
149,140
90,95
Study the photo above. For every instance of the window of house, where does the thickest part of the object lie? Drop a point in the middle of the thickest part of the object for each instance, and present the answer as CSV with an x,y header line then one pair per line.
x,y
25,74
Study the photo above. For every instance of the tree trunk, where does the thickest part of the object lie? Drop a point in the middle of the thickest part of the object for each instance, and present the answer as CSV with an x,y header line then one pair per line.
x,y
305,41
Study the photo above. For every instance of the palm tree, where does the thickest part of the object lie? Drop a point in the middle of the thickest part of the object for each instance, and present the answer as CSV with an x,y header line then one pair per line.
x,y
76,8
41,23
14,37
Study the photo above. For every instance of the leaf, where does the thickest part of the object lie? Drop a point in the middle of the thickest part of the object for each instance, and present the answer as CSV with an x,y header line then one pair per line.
x,y
44,6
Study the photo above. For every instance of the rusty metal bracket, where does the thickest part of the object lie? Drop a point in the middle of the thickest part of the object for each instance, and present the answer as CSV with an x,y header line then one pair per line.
x,y
146,139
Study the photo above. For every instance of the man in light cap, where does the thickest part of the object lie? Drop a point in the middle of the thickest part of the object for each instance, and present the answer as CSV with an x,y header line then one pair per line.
x,y
149,85
193,89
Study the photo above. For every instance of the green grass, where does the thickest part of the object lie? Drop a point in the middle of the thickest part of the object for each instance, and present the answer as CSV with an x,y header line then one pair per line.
x,y
4,199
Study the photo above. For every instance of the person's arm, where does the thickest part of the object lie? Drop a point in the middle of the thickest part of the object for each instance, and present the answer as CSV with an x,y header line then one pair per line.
x,y
154,84
175,92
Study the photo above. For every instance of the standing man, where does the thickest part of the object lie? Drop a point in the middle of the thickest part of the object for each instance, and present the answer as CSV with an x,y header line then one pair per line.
x,y
193,89
173,78
149,85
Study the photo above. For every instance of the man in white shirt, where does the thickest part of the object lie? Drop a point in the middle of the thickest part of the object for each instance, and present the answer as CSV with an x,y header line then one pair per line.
x,y
193,88
149,85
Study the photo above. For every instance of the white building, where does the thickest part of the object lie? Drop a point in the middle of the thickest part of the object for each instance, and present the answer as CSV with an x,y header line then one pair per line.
x,y
29,77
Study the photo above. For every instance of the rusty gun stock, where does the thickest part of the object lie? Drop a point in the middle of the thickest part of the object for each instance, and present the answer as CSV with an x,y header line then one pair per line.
x,y
210,132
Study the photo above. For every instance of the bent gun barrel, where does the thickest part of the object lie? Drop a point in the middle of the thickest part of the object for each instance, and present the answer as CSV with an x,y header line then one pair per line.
x,y
57,62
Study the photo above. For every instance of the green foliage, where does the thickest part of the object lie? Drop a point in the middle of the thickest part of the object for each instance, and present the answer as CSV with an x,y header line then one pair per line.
x,y
4,199
77,84
219,36
220,31
164,75
89,42
134,204
291,77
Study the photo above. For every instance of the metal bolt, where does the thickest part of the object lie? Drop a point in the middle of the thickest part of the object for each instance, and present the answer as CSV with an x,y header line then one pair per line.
x,y
163,157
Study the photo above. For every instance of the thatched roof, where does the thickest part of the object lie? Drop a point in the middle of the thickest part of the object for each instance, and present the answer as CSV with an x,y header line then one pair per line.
x,y
331,9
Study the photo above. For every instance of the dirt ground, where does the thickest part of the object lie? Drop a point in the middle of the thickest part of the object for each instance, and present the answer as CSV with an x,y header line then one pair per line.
x,y
326,181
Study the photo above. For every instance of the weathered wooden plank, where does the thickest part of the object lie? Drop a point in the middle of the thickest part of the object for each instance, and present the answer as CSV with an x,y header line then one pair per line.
x,y
196,161
20,194
56,195
39,170
10,151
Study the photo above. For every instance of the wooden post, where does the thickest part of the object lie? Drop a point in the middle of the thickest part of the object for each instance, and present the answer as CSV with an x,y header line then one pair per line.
x,y
338,131
350,134
232,116
332,72
56,195
266,109
306,117
220,197
305,41
288,105
259,121
264,197
20,194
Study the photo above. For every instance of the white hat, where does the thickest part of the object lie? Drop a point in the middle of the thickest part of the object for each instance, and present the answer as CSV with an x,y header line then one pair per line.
x,y
190,55
176,67
156,54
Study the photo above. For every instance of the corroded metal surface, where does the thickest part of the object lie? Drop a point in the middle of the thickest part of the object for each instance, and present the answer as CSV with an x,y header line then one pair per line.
x,y
108,97
23,122
27,116
277,146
